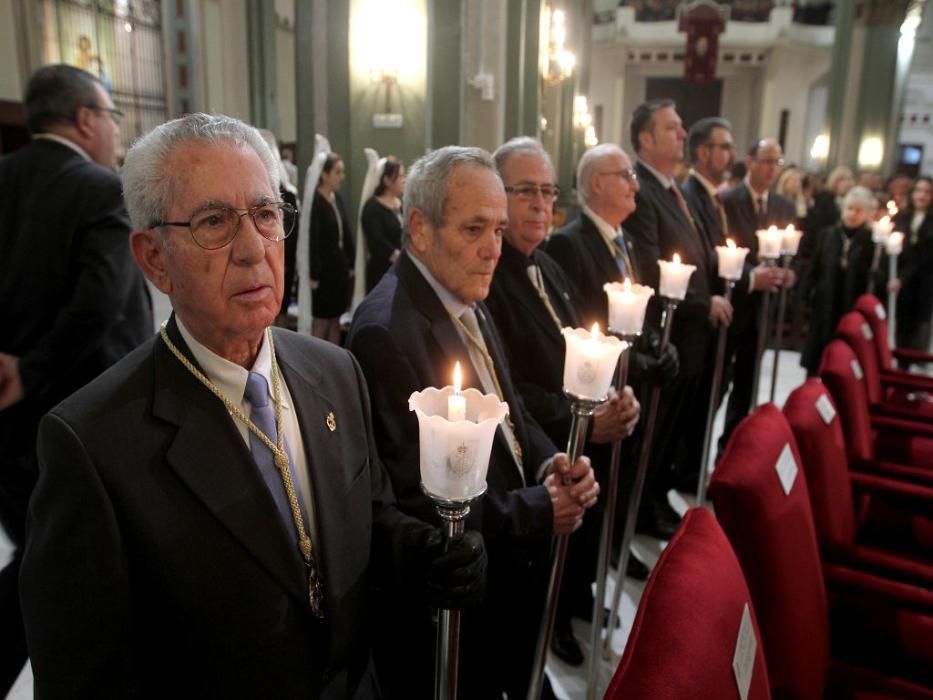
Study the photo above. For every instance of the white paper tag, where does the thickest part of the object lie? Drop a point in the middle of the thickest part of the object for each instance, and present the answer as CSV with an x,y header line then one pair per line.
x,y
866,332
825,408
743,662
786,469
857,370
879,312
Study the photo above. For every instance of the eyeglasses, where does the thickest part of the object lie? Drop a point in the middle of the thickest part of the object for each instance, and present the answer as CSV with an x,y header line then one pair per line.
x,y
214,227
115,114
528,192
779,162
625,174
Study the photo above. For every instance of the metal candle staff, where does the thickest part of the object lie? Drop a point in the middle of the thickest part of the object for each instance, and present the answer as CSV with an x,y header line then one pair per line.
x,y
589,364
880,231
769,250
673,288
627,305
731,263
790,242
894,245
456,431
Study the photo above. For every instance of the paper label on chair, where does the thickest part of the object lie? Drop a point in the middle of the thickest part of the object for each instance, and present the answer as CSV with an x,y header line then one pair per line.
x,y
866,332
787,469
856,369
825,408
743,662
879,312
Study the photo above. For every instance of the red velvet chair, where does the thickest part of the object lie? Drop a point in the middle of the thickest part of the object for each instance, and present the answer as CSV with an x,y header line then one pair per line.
x,y
881,630
862,520
873,310
892,393
684,637
886,444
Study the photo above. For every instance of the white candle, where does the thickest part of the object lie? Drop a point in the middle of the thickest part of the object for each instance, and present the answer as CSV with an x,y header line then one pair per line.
x,y
456,403
892,208
880,230
895,243
455,454
674,278
790,240
627,304
769,243
731,260
590,362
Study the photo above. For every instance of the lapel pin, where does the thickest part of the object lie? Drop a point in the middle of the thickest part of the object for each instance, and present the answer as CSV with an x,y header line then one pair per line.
x,y
331,421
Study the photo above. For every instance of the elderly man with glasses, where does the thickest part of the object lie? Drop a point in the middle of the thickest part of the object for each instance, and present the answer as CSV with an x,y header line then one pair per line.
x,y
531,299
73,301
207,510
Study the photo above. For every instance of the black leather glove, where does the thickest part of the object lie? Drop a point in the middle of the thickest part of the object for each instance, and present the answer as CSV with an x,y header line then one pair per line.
x,y
455,571
651,367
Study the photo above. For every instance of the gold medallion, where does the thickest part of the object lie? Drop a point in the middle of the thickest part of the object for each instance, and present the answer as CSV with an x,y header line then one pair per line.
x,y
331,421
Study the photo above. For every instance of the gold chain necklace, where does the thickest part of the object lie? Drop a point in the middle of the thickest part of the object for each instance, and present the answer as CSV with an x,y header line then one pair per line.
x,y
280,457
491,368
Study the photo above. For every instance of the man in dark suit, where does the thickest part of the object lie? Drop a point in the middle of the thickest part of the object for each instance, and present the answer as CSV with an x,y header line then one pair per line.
x,y
661,226
205,511
710,151
73,301
594,249
426,314
752,206
531,299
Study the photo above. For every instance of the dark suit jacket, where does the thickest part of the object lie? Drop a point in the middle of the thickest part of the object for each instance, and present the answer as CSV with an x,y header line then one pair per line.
x,y
156,562
579,248
659,229
533,344
74,301
405,341
915,270
704,210
743,223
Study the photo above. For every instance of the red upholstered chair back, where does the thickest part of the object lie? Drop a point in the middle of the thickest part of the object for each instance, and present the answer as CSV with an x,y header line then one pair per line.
x,y
814,420
855,330
840,370
767,519
872,309
684,637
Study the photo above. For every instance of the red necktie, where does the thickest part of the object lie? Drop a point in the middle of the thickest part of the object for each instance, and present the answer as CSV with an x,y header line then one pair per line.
x,y
683,206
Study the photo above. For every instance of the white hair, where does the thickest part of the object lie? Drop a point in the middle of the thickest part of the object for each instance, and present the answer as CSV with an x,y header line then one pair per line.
x,y
147,184
587,165
861,195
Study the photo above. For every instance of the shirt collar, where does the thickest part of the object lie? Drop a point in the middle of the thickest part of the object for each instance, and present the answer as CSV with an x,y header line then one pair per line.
x,y
454,306
711,189
668,182
229,377
755,195
606,231
64,142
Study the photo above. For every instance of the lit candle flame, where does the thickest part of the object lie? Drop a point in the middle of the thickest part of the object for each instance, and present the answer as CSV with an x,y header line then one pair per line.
x,y
790,229
676,259
457,379
892,207
772,230
730,243
594,331
885,220
626,285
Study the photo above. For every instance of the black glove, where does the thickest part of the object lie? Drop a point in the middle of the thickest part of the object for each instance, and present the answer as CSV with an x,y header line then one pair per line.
x,y
455,571
649,366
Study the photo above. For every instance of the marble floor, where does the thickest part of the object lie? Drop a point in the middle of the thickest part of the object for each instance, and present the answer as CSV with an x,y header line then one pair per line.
x,y
568,682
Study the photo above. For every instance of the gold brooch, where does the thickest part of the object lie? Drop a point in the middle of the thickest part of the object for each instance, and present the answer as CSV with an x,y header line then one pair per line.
x,y
331,421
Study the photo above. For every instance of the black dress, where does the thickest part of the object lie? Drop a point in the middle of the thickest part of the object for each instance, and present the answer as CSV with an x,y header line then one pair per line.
x,y
915,270
382,228
331,257
837,276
